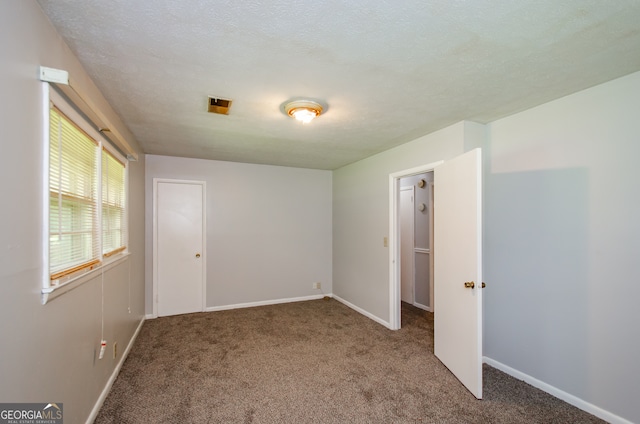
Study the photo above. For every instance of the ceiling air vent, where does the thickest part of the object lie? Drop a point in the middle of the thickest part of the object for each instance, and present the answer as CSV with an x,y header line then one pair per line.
x,y
217,105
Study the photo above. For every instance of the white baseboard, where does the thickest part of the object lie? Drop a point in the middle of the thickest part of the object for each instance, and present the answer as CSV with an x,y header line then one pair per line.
x,y
363,312
421,306
114,375
253,304
265,303
560,394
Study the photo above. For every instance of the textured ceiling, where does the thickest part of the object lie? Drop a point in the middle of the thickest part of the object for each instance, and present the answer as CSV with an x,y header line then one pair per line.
x,y
389,71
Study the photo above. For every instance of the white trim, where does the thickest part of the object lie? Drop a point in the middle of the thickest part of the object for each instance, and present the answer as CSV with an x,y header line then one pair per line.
x,y
266,302
114,375
54,76
431,262
58,78
394,248
52,97
52,292
421,306
204,245
560,394
363,312
154,295
412,242
46,106
150,316
154,254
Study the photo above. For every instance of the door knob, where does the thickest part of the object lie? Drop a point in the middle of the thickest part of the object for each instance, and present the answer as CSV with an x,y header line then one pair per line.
x,y
197,255
483,285
469,284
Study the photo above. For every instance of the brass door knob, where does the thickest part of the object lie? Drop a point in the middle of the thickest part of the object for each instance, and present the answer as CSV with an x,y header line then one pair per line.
x,y
197,255
484,285
469,284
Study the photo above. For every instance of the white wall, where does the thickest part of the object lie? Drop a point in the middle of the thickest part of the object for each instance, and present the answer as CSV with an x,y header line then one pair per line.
x,y
361,213
268,229
562,240
48,351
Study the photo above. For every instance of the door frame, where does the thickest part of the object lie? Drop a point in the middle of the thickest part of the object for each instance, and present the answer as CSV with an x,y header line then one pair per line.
x,y
157,181
412,252
394,245
430,186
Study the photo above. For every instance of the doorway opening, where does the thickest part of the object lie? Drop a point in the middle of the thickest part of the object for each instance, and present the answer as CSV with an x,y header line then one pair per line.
x,y
457,264
396,182
416,240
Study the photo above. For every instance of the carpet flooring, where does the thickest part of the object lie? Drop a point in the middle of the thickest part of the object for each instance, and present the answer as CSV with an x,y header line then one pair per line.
x,y
308,362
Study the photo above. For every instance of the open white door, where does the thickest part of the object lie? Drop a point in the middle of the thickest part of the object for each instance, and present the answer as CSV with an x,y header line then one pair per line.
x,y
458,260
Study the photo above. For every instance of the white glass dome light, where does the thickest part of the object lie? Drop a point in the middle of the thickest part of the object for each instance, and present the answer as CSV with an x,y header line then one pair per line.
x,y
303,110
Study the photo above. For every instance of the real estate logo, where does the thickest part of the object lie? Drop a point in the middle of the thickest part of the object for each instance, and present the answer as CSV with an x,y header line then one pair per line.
x,y
31,413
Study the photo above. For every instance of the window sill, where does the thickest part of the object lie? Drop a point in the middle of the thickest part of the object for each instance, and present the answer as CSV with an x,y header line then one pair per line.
x,y
50,293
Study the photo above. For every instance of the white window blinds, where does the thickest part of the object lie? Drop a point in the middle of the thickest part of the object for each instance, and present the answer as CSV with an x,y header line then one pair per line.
x,y
73,197
113,205
87,198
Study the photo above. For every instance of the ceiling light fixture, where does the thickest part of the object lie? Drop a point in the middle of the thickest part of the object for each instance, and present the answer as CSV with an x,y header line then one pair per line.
x,y
303,110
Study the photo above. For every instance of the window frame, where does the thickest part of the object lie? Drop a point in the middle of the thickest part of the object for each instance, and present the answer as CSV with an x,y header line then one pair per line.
x,y
75,277
106,204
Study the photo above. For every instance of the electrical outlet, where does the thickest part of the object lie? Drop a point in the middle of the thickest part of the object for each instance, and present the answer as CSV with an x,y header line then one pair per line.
x,y
317,285
115,350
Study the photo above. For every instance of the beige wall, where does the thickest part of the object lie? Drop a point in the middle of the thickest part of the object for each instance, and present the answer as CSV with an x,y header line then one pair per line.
x,y
48,352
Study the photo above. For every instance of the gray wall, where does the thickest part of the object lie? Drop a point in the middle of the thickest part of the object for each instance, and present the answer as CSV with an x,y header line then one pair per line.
x,y
268,229
48,351
562,239
421,217
361,213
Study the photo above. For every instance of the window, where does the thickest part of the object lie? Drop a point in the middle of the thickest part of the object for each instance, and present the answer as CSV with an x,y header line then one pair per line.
x,y
87,198
113,204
